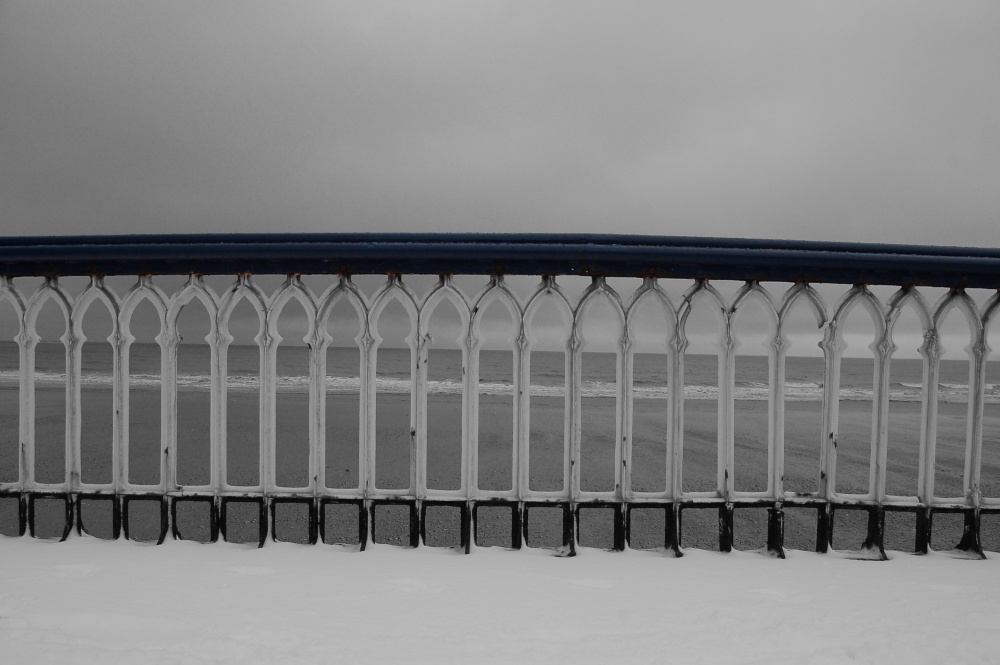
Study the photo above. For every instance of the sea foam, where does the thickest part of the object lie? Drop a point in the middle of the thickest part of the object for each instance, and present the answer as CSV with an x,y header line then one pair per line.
x,y
750,391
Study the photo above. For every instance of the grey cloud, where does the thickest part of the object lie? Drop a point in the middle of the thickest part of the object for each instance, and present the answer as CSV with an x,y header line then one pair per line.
x,y
860,121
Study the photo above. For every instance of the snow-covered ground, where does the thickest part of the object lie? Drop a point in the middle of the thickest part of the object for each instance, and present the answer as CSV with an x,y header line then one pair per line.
x,y
89,601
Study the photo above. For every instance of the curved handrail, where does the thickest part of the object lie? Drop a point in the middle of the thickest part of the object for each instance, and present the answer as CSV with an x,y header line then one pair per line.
x,y
536,254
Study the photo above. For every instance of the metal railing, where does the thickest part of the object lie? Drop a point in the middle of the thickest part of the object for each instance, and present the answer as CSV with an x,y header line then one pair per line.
x,y
654,260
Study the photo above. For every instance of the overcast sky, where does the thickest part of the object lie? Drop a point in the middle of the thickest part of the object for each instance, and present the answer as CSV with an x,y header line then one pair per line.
x,y
867,121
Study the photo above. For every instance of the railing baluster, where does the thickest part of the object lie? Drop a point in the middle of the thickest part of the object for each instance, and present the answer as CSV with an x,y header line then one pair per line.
x,y
832,346
121,380
470,400
220,434
168,389
522,392
623,427
418,436
573,381
676,443
726,408
880,408
977,382
776,435
933,345
73,409
317,392
25,382
883,356
978,352
267,396
369,351
676,343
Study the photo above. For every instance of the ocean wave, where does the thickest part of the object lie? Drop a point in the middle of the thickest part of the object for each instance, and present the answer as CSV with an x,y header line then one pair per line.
x,y
903,384
750,391
800,385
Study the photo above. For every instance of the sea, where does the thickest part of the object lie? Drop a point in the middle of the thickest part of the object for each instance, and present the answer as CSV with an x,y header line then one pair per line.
x,y
803,375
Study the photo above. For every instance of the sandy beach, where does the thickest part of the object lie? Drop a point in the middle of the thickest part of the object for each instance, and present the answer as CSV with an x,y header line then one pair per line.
x,y
802,437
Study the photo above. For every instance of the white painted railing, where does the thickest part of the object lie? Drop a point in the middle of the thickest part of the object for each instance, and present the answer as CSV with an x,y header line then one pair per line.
x,y
674,306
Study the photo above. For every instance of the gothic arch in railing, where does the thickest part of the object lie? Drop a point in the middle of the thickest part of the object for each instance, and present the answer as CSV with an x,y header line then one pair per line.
x,y
16,435
345,291
495,294
975,352
753,295
495,291
651,290
96,292
194,288
294,291
909,299
146,290
143,291
650,297
445,291
807,294
989,310
244,289
394,291
597,291
597,296
550,296
443,295
49,290
797,297
988,466
959,300
858,296
747,295
753,291
593,296
548,289
703,292
10,293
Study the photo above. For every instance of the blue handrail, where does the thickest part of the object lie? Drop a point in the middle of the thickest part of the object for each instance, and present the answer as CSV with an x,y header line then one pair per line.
x,y
514,254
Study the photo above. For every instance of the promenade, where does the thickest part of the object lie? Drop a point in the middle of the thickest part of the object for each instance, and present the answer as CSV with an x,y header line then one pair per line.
x,y
90,601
